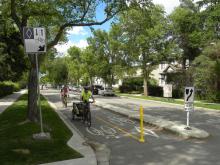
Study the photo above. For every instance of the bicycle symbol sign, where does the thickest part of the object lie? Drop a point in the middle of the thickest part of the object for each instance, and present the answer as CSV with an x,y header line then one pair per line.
x,y
34,40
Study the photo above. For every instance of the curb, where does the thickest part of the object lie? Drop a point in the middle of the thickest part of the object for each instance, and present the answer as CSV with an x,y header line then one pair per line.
x,y
196,107
76,142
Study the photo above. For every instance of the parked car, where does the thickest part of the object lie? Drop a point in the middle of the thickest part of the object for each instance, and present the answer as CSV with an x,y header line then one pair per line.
x,y
106,91
75,89
95,89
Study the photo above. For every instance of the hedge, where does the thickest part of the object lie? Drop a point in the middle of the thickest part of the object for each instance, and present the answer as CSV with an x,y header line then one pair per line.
x,y
135,85
8,87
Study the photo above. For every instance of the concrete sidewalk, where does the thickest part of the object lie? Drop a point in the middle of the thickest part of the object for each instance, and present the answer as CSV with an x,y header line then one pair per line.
x,y
5,102
76,142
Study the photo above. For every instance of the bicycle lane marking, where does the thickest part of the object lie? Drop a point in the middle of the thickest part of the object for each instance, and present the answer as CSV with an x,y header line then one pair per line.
x,y
118,128
105,131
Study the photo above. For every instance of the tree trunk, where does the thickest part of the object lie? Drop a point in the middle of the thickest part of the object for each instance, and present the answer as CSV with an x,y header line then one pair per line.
x,y
33,114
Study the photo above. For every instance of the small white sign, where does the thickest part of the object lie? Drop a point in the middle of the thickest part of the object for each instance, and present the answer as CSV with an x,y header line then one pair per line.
x,y
189,107
34,40
189,94
167,90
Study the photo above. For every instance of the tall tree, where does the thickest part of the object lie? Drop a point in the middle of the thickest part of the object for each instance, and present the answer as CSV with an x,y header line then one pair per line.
x,y
210,15
108,47
75,64
187,30
13,62
56,16
145,30
208,64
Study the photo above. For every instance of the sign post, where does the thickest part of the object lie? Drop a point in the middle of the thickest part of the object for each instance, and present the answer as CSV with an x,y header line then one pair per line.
x,y
35,43
189,99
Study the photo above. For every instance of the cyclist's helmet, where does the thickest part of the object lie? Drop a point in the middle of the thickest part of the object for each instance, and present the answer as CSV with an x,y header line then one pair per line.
x,y
86,88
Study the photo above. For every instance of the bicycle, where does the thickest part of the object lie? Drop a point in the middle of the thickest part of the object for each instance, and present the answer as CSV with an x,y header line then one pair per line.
x,y
65,100
87,115
82,111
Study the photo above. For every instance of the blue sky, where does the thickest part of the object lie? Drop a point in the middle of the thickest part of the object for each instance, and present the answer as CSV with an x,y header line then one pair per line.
x,y
78,35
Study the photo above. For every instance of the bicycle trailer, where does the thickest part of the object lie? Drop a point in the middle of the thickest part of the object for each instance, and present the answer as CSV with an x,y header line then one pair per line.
x,y
77,111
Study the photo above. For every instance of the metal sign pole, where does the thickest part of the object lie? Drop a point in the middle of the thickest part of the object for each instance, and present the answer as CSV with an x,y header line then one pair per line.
x,y
38,89
187,120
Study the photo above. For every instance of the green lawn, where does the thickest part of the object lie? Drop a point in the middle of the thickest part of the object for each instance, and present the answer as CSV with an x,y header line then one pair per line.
x,y
175,101
18,146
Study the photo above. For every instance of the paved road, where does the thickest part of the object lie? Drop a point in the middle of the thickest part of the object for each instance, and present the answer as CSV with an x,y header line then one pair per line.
x,y
121,135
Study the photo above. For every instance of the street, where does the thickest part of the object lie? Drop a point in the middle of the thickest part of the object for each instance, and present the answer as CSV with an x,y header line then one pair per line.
x,y
121,134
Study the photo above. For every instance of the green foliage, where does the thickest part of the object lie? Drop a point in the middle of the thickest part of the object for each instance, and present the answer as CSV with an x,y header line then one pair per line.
x,y
145,36
58,72
108,48
187,30
74,64
8,87
208,64
13,61
16,133
135,85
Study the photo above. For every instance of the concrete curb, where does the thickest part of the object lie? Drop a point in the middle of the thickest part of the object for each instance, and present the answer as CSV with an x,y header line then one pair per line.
x,y
76,142
172,126
196,108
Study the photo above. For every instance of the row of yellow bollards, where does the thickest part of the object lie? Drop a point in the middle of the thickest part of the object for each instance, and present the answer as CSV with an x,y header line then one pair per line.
x,y
141,125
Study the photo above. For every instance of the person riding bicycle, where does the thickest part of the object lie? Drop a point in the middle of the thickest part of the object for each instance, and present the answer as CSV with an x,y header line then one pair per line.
x,y
85,96
64,92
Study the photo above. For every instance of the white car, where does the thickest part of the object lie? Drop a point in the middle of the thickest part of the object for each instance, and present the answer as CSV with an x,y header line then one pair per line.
x,y
106,91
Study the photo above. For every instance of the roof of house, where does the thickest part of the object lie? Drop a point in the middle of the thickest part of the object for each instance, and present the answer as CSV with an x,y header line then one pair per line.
x,y
174,68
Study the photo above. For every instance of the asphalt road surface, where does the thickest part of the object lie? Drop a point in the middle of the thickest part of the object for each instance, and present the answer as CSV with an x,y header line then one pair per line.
x,y
121,135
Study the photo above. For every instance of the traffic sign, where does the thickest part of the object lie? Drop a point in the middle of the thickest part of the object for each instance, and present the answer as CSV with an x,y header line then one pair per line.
x,y
189,94
34,40
189,107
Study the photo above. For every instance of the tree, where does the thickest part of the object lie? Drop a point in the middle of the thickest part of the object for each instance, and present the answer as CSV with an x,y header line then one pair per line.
x,y
210,15
208,64
13,62
74,64
89,64
187,30
56,16
108,48
58,72
145,30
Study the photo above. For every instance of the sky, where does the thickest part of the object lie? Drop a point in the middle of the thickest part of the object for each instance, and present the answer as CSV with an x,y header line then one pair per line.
x,y
77,36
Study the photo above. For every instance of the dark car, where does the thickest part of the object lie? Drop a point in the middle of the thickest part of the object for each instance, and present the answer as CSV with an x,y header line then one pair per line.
x,y
96,88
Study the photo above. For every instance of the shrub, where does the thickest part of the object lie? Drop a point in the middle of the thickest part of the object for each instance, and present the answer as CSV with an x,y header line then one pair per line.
x,y
177,93
134,85
8,87
155,91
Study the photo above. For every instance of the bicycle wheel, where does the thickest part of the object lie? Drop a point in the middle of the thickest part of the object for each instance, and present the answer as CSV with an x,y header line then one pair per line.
x,y
89,122
65,101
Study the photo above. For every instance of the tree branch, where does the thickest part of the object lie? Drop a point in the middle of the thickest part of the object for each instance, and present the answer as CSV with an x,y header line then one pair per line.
x,y
72,24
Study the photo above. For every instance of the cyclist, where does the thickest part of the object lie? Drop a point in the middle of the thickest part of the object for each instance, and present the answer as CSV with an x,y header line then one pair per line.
x,y
85,96
64,92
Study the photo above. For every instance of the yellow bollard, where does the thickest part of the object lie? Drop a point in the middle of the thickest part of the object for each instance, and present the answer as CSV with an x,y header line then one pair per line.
x,y
141,124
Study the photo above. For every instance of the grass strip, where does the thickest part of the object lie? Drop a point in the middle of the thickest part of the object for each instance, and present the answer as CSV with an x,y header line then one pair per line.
x,y
174,101
18,146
